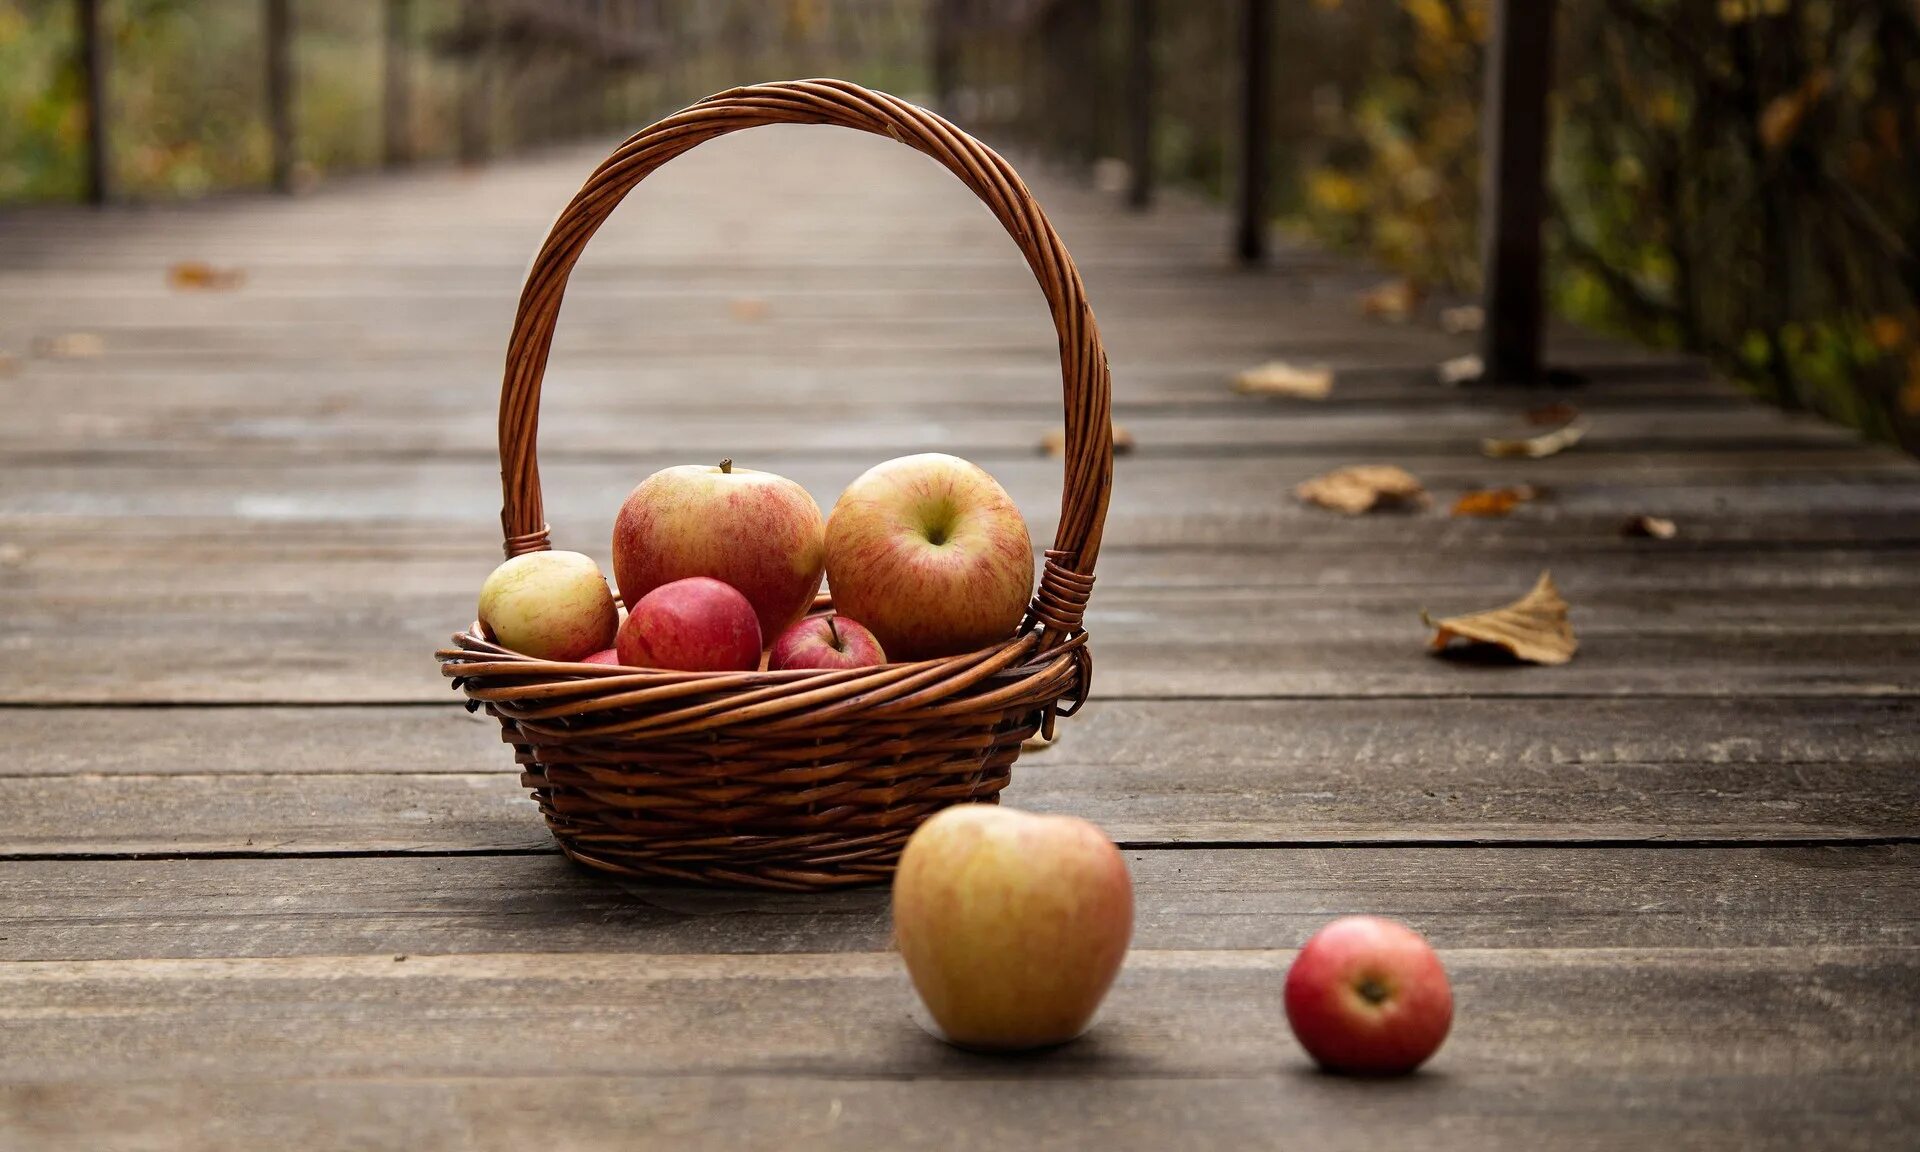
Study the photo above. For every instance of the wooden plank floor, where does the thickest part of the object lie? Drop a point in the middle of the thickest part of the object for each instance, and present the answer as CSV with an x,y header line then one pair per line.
x,y
265,883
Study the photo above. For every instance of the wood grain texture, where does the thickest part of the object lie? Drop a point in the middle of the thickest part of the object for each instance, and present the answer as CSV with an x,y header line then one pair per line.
x,y
1201,898
1734,1048
1153,772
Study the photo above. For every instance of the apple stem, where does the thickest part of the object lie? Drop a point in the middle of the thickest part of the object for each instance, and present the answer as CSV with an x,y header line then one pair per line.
x,y
838,644
726,466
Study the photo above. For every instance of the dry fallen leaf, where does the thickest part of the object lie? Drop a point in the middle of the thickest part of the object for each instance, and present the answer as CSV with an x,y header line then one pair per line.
x,y
1533,628
1037,743
1363,488
1463,319
1493,502
1395,300
8,364
1279,378
1656,527
1780,120
1461,369
1534,447
198,275
1054,443
747,309
70,346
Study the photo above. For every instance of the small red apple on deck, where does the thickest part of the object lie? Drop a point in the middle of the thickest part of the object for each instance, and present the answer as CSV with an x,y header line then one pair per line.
x,y
829,641
549,605
1369,996
930,553
759,533
1012,925
692,625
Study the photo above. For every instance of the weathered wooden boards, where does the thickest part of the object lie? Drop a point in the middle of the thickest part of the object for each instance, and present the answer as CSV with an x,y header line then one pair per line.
x,y
1676,880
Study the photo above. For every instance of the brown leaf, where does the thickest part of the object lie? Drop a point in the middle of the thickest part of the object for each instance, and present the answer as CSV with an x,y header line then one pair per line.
x,y
1462,320
198,275
1054,443
1395,300
747,309
1780,119
1461,369
70,346
1363,488
1279,378
1656,527
1534,447
8,364
1533,628
1493,502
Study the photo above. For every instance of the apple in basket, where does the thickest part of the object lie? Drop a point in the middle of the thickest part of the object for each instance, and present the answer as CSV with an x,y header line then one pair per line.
x,y
1012,925
1368,996
931,554
549,605
759,533
829,641
692,625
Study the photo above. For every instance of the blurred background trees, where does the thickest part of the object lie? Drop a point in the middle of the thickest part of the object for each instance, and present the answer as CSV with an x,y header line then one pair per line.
x,y
1736,177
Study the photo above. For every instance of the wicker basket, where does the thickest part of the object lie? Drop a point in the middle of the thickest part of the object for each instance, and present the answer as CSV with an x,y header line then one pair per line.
x,y
801,779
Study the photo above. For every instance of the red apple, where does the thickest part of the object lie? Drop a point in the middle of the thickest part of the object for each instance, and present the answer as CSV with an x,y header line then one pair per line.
x,y
549,605
758,532
692,625
930,553
1368,996
1012,925
826,642
604,656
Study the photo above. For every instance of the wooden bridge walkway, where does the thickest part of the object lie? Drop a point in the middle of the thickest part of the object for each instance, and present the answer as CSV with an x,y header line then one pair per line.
x,y
264,883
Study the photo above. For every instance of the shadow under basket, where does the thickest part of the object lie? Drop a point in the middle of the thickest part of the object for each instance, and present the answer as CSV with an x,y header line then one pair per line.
x,y
801,779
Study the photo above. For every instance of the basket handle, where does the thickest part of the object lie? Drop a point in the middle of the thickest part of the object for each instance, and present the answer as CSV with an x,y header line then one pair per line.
x,y
1067,577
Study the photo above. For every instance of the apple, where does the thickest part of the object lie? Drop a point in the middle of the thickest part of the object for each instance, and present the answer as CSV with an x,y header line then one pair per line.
x,y
1368,995
758,532
604,656
692,625
549,605
828,641
1013,925
931,554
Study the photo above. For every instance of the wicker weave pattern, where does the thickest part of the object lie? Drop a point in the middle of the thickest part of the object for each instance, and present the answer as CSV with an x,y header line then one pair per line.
x,y
802,779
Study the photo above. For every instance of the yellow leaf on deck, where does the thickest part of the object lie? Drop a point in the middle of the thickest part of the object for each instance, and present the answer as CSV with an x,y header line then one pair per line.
x,y
70,346
1655,527
198,275
1394,300
747,309
1533,628
1279,378
1363,488
1493,502
1535,447
1461,369
1054,443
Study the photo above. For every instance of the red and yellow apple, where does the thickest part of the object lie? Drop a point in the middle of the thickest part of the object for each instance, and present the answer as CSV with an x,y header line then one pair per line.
x,y
1012,925
692,625
931,554
760,533
604,656
829,641
549,605
1368,996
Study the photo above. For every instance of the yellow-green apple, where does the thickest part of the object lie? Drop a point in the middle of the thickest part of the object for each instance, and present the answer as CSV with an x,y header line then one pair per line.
x,y
1368,996
692,625
758,532
930,553
828,641
1013,925
549,605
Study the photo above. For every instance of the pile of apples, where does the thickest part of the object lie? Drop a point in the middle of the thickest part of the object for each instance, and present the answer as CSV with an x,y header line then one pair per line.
x,y
1014,925
927,556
